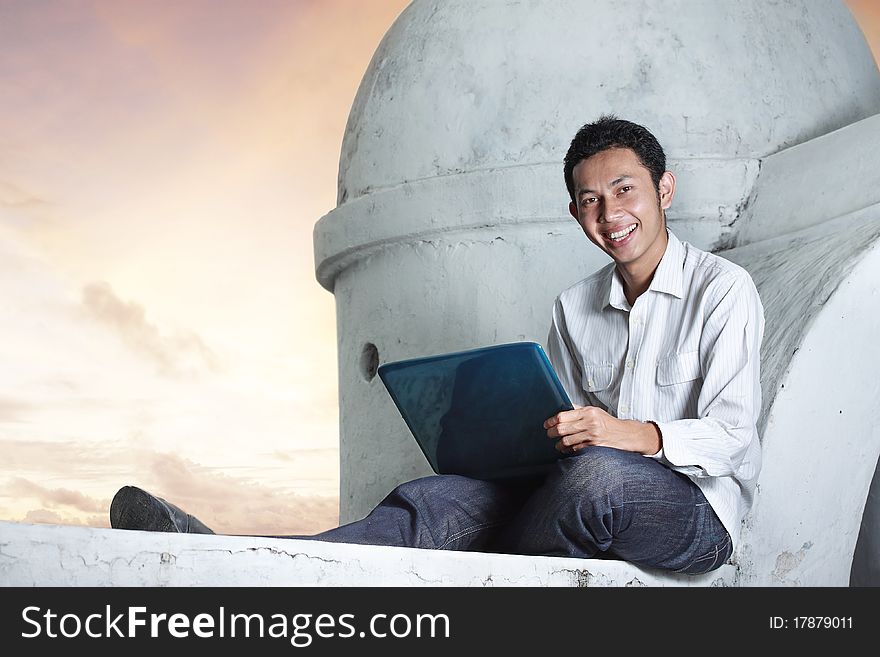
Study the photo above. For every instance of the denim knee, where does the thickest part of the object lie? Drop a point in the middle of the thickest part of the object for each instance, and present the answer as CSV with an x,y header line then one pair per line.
x,y
582,499
441,490
423,487
456,512
598,472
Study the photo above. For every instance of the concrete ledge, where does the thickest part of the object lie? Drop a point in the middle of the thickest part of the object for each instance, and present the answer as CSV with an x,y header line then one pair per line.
x,y
808,184
53,555
820,439
511,199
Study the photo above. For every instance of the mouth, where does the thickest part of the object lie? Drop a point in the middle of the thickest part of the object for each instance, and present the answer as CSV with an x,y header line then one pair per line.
x,y
620,237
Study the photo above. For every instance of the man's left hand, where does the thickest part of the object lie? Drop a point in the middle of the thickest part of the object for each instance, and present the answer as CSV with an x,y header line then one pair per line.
x,y
589,425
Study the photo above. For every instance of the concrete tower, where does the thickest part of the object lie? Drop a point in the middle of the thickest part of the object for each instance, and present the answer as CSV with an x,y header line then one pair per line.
x,y
452,231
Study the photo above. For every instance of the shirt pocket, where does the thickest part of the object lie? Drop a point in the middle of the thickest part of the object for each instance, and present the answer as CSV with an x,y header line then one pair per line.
x,y
597,377
678,368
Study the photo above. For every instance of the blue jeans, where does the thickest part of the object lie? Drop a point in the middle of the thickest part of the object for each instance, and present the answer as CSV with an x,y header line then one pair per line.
x,y
602,502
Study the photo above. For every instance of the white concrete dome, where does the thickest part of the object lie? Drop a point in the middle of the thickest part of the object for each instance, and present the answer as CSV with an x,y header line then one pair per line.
x,y
467,85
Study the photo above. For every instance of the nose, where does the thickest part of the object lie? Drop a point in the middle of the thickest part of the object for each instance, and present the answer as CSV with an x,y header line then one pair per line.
x,y
612,209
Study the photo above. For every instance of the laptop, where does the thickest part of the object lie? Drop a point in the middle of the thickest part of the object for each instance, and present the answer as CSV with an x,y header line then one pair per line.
x,y
480,413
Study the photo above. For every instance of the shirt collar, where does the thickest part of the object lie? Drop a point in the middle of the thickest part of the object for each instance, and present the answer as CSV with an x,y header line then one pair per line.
x,y
667,277
616,297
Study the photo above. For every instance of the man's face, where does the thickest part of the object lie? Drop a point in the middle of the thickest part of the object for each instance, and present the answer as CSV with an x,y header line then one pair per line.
x,y
617,206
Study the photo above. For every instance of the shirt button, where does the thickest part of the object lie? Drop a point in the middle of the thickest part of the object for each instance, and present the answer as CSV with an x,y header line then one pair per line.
x,y
623,408
590,382
630,364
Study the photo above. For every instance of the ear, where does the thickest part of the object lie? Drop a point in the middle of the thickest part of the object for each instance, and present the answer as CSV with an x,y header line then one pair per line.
x,y
666,189
573,210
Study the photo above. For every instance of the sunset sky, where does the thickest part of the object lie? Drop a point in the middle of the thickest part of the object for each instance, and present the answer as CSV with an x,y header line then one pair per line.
x,y
162,165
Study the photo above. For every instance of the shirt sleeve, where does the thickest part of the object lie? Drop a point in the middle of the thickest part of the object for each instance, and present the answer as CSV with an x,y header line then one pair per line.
x,y
562,358
715,443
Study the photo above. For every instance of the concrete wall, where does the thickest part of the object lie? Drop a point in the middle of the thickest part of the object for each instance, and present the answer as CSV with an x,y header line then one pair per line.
x,y
806,185
820,441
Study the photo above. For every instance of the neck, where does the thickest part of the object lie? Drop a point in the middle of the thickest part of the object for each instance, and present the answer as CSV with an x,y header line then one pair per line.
x,y
634,288
637,275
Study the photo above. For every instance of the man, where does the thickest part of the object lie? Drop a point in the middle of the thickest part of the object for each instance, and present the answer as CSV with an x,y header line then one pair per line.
x,y
659,350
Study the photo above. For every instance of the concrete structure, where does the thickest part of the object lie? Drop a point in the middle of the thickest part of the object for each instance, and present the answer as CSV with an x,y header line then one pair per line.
x,y
451,232
43,555
451,229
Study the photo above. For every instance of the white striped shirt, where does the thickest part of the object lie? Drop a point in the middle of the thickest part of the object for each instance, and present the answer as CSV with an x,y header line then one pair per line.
x,y
686,355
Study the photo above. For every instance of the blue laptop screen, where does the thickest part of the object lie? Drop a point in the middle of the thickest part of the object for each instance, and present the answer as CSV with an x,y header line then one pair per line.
x,y
480,413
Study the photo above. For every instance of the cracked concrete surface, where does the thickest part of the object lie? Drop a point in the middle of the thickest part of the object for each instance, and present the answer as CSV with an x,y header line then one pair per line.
x,y
787,562
47,555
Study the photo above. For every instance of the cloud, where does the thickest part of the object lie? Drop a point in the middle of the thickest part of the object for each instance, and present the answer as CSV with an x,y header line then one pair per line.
x,y
237,505
296,454
11,410
71,458
47,517
180,354
12,196
23,211
53,497
43,517
228,504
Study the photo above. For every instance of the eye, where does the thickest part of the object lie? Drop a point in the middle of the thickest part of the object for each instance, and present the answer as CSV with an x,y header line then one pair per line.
x,y
624,189
588,200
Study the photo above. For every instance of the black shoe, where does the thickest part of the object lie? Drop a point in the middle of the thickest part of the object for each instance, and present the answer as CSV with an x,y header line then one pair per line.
x,y
134,508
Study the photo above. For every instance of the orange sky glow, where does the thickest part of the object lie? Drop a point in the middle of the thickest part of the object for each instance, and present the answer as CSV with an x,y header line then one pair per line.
x,y
162,165
160,176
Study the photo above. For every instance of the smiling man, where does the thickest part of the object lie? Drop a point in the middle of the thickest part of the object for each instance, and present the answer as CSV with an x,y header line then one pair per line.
x,y
660,353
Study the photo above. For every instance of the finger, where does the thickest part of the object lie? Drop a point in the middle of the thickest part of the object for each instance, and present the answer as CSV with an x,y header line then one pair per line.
x,y
568,429
569,449
562,416
556,432
567,416
575,439
562,448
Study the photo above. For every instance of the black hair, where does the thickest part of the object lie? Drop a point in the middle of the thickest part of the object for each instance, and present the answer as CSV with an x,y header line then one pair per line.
x,y
608,131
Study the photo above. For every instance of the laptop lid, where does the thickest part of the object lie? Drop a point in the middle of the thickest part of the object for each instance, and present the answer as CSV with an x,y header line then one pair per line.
x,y
480,412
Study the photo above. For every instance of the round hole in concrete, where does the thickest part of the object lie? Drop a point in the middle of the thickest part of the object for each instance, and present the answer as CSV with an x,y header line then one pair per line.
x,y
369,361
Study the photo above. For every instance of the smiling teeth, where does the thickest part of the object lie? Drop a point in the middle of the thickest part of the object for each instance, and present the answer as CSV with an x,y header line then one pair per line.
x,y
623,233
